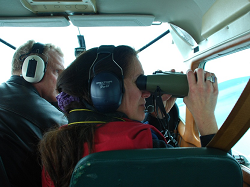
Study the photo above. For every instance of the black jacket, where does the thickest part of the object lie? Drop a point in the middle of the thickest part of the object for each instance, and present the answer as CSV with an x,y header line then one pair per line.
x,y
24,117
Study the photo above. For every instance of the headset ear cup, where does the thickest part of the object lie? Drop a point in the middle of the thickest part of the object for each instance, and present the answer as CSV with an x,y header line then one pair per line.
x,y
33,69
106,92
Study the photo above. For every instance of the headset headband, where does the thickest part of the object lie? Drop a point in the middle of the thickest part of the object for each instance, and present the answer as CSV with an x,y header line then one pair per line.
x,y
104,49
37,48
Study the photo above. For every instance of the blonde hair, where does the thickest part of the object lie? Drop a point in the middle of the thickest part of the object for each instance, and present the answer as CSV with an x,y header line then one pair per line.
x,y
24,49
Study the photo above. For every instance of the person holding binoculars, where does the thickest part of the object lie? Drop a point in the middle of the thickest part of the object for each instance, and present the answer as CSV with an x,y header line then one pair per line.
x,y
101,99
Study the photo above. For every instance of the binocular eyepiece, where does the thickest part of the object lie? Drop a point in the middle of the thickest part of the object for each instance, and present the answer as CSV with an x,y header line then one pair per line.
x,y
172,83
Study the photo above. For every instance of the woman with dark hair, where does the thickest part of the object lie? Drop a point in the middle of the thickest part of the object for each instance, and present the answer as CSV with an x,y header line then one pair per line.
x,y
98,94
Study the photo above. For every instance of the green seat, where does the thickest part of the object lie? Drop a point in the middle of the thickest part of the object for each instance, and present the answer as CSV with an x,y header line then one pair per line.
x,y
177,167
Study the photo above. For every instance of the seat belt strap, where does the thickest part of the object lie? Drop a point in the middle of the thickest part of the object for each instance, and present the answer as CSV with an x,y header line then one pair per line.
x,y
4,178
236,124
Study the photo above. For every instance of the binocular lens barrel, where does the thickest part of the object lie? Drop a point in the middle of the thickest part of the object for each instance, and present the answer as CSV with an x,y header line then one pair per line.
x,y
175,84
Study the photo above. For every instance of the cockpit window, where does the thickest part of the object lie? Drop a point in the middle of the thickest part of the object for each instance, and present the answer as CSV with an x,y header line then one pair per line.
x,y
232,72
161,55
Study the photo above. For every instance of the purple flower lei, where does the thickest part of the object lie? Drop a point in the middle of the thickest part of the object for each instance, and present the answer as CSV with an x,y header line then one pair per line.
x,y
64,99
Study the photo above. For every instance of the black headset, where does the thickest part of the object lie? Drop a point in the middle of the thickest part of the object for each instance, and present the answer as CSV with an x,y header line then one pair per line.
x,y
106,89
33,68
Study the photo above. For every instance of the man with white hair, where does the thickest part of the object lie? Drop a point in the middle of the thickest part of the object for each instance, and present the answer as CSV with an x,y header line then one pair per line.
x,y
26,110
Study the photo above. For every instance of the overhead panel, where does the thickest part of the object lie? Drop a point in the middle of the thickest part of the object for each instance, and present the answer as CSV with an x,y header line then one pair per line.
x,y
111,20
60,6
34,21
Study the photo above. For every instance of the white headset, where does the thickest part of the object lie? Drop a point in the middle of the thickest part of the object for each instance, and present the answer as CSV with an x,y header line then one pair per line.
x,y
34,67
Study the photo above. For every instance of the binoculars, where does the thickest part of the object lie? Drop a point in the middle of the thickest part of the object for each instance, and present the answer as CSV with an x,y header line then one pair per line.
x,y
172,83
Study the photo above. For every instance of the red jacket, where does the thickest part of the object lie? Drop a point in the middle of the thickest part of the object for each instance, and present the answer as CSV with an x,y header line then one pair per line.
x,y
118,135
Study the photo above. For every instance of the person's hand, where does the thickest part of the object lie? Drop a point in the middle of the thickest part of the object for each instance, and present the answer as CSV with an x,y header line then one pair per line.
x,y
202,99
168,101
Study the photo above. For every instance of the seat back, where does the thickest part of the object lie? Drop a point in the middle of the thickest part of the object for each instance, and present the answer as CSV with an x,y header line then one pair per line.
x,y
158,167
